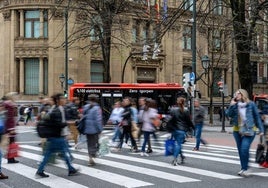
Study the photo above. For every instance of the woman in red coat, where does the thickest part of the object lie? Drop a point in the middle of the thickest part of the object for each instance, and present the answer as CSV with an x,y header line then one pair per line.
x,y
10,107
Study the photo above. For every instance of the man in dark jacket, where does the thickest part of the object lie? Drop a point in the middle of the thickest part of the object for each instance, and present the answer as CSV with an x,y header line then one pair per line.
x,y
199,116
55,141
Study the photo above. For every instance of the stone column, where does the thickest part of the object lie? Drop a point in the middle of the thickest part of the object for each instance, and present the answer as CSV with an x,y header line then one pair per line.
x,y
41,75
21,23
21,76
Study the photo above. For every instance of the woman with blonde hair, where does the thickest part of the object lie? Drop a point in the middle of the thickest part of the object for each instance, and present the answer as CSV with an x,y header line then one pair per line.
x,y
245,121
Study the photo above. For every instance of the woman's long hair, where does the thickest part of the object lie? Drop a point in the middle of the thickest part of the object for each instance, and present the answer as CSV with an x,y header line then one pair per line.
x,y
181,102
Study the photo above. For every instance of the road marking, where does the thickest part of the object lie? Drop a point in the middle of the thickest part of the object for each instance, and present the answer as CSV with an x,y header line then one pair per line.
x,y
52,182
181,168
154,163
96,173
132,168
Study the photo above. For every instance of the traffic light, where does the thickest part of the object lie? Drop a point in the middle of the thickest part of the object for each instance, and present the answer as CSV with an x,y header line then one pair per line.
x,y
65,94
220,86
156,51
186,80
145,51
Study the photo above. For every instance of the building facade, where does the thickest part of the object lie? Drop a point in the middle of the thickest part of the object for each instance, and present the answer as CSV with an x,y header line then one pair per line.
x,y
33,51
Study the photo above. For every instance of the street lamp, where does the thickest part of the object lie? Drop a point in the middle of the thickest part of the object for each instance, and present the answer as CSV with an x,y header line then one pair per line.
x,y
62,80
205,62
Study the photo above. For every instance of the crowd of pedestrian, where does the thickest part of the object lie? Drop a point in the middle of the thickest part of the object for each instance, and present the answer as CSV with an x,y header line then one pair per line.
x,y
130,122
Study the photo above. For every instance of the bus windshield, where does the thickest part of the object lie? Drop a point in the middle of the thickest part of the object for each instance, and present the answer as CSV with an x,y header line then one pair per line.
x,y
165,94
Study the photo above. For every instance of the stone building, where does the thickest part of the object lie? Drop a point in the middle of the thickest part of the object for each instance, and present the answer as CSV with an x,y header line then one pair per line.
x,y
33,55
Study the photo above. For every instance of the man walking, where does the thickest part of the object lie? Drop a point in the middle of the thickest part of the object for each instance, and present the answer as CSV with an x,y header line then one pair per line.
x,y
199,116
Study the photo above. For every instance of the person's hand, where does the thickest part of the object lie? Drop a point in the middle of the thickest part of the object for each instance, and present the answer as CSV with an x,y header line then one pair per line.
x,y
261,134
233,101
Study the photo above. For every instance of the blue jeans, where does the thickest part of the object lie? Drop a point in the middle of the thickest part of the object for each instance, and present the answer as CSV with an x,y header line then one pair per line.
x,y
198,132
243,145
1,158
56,145
146,135
179,137
117,133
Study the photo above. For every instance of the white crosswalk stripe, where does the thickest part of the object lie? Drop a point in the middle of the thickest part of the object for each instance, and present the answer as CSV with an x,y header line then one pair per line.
x,y
134,164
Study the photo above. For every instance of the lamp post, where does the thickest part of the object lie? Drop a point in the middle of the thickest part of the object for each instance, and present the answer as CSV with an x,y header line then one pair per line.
x,y
193,55
66,50
62,80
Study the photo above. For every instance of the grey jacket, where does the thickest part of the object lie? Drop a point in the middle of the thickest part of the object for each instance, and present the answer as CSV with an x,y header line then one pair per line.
x,y
199,115
93,119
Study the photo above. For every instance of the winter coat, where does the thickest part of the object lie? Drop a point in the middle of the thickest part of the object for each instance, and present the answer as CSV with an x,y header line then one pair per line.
x,y
93,119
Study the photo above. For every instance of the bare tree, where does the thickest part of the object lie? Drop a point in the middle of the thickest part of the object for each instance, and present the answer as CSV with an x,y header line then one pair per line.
x,y
245,15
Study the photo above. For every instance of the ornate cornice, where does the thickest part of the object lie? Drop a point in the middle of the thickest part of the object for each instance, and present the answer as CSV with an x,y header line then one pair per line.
x,y
152,63
29,2
30,52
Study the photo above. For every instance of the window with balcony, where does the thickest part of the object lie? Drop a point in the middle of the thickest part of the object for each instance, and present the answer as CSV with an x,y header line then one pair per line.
x,y
96,71
187,38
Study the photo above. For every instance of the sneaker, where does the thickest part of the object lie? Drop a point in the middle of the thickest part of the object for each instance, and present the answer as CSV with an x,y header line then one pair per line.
x,y
240,172
246,173
73,172
91,162
144,154
174,162
41,175
149,151
195,149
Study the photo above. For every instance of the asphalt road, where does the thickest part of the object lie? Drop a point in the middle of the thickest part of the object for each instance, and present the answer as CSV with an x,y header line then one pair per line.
x,y
213,166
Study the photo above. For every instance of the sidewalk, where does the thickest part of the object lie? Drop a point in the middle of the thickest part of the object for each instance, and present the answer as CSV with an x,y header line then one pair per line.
x,y
217,126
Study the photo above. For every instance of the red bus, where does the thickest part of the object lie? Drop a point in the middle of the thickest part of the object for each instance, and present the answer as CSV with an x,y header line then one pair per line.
x,y
261,100
165,94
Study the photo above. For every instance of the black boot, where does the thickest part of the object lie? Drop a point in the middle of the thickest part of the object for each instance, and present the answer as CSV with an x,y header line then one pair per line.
x,y
12,160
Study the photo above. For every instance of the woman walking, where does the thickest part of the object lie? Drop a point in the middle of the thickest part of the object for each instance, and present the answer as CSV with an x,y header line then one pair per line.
x,y
147,117
245,121
181,123
126,124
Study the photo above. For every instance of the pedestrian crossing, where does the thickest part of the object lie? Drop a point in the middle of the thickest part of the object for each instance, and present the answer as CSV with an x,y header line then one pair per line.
x,y
126,169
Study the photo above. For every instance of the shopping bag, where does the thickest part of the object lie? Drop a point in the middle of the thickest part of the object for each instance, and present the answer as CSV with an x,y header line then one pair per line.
x,y
104,148
13,150
169,146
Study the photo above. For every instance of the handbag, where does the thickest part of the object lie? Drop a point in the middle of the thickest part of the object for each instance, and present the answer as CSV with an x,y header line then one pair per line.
x,y
169,146
259,156
134,129
13,150
244,130
81,123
